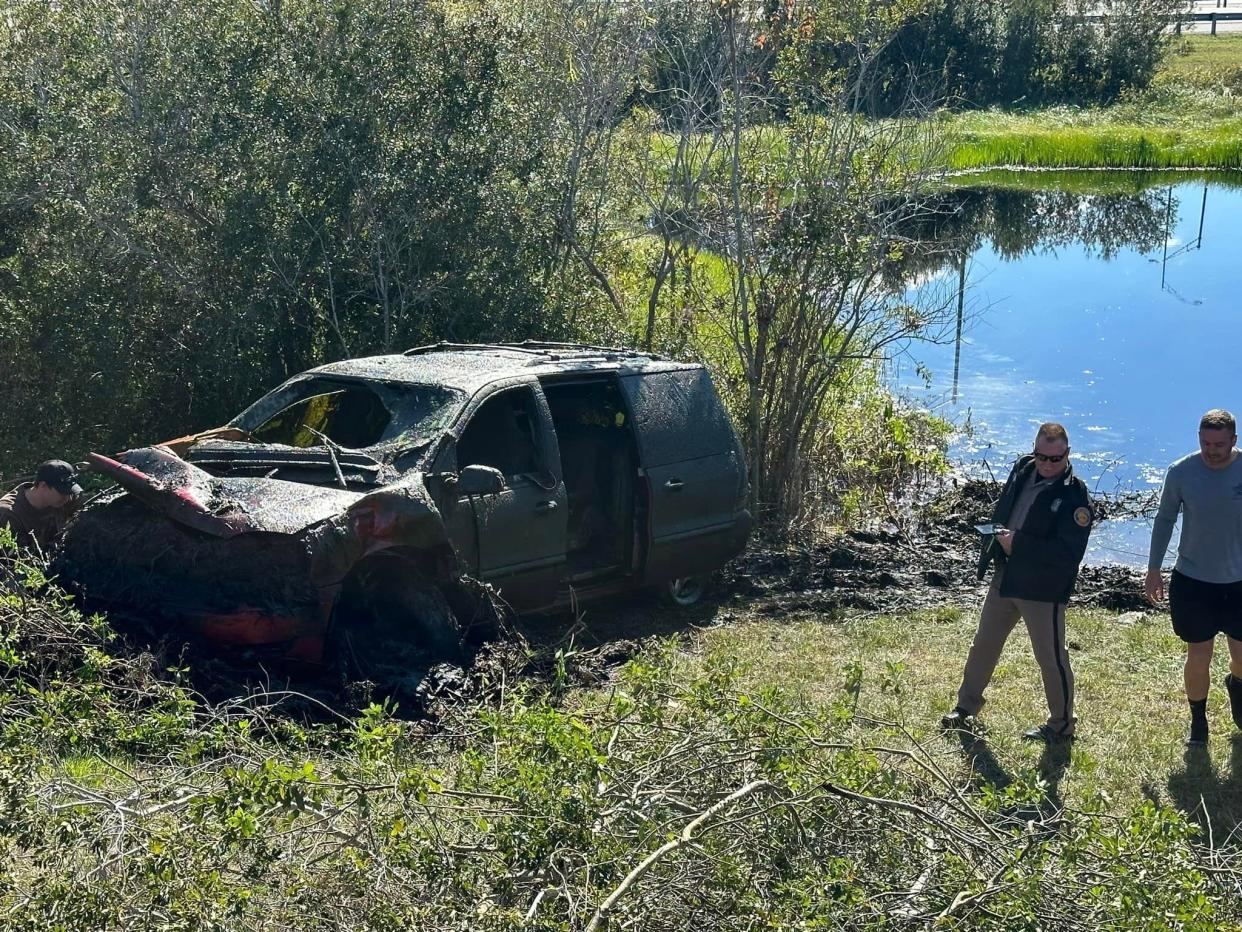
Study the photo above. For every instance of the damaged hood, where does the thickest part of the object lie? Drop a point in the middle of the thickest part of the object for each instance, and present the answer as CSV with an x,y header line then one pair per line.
x,y
339,526
221,507
286,507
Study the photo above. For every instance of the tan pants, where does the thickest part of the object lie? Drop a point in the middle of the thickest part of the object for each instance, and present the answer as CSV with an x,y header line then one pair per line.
x,y
1045,623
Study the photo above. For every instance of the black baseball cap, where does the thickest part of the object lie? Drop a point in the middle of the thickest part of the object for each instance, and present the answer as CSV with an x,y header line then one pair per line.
x,y
60,476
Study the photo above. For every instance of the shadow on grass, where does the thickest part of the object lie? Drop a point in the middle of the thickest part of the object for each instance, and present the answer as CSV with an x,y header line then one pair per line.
x,y
1212,798
987,770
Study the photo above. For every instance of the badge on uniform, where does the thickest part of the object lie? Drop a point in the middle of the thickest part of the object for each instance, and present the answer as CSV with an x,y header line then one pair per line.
x,y
1056,505
1082,516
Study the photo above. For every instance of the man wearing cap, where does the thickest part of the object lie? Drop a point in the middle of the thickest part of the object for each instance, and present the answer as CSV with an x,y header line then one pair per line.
x,y
36,512
1047,517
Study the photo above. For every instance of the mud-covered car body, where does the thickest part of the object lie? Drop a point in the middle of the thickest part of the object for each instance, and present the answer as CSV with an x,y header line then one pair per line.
x,y
555,473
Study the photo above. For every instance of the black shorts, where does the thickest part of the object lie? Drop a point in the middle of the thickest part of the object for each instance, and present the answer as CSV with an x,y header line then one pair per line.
x,y
1202,610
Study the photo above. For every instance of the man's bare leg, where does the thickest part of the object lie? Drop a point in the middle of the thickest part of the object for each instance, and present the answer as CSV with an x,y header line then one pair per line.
x,y
1235,657
1197,672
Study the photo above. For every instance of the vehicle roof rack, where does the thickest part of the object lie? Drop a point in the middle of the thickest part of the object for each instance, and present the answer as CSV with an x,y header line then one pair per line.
x,y
543,351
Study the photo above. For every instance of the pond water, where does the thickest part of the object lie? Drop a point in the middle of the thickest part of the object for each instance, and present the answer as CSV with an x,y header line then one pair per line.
x,y
1111,303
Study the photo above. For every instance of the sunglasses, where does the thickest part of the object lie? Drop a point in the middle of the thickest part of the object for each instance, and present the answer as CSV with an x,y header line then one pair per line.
x,y
1046,458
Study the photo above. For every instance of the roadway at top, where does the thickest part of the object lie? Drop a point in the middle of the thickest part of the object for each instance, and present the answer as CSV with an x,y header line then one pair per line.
x,y
1213,6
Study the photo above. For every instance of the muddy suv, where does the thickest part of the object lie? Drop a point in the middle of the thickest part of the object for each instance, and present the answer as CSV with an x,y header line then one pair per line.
x,y
369,498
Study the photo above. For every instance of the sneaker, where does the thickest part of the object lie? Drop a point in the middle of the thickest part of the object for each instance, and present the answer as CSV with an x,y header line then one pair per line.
x,y
1198,736
1047,734
1233,686
958,718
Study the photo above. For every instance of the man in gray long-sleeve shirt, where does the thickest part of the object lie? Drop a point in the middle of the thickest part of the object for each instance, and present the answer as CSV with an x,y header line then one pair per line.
x,y
1205,590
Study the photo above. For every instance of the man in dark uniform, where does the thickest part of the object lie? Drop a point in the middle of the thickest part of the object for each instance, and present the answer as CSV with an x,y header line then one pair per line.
x,y
1046,517
36,512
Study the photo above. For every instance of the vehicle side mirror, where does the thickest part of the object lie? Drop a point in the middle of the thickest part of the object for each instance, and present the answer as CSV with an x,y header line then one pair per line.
x,y
480,480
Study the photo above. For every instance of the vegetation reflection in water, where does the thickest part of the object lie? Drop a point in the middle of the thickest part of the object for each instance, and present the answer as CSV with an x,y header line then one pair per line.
x,y
1106,301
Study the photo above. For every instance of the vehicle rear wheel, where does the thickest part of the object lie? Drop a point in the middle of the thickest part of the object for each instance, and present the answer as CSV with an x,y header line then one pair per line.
x,y
686,590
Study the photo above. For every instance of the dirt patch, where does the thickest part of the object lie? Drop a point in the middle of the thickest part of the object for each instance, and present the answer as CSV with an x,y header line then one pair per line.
x,y
929,560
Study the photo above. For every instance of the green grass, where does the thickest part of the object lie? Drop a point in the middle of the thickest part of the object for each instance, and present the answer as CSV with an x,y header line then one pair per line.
x,y
1088,139
1129,701
1205,61
1190,118
775,773
1169,128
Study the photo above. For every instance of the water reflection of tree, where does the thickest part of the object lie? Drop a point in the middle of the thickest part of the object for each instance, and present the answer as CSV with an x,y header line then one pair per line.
x,y
1019,223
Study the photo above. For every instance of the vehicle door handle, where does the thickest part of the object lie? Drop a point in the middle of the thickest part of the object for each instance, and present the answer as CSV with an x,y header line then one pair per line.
x,y
674,485
544,508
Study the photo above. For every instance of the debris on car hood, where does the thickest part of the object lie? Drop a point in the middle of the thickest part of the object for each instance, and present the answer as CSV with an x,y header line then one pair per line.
x,y
221,507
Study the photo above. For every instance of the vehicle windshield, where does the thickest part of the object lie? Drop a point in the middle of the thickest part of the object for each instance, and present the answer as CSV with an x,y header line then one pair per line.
x,y
349,413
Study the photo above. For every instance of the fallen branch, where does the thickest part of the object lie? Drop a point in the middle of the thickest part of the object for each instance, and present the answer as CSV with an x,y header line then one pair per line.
x,y
686,835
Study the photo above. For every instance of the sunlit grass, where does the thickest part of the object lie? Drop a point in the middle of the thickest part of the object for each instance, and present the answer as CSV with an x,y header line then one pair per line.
x,y
1205,61
93,771
1037,140
1130,705
1170,132
1190,118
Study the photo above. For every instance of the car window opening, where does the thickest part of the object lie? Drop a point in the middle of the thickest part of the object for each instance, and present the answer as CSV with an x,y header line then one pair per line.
x,y
501,434
598,463
353,418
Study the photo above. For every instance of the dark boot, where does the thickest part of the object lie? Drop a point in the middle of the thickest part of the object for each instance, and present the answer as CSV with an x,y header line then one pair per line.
x,y
958,719
1233,686
1198,736
1047,734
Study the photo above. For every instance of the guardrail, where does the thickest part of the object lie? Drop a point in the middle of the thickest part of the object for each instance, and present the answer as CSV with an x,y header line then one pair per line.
x,y
1222,17
1212,17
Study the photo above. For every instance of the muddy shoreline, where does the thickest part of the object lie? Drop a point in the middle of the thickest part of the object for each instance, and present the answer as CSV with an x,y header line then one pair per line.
x,y
929,560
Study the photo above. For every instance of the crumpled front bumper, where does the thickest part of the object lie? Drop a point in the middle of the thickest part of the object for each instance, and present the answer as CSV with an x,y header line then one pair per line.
x,y
240,563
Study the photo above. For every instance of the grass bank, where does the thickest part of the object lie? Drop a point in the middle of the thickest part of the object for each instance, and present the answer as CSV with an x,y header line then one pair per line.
x,y
1119,137
1191,117
1210,62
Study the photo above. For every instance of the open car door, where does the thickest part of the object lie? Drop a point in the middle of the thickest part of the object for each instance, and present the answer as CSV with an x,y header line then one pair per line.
x,y
694,472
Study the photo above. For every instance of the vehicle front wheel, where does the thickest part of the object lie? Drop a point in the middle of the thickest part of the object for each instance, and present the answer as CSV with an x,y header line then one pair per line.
x,y
686,590
389,628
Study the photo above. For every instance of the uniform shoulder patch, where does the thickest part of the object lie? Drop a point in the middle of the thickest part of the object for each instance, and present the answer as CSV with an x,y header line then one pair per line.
x,y
1082,516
